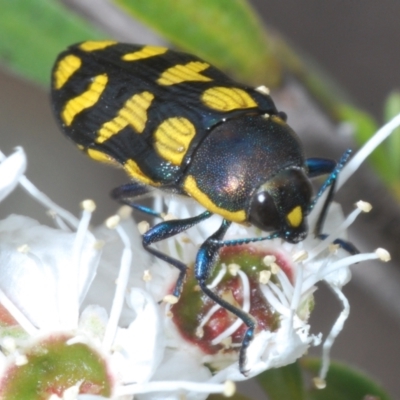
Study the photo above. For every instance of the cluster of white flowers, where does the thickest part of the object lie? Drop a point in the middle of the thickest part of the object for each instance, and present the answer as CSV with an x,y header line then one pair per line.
x,y
90,301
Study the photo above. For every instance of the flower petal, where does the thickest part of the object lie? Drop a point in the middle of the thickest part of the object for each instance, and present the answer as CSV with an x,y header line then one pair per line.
x,y
38,274
142,342
11,168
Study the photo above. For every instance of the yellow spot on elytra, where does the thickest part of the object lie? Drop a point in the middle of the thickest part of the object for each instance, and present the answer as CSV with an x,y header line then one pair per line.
x,y
92,45
100,156
65,69
145,52
226,99
85,100
184,73
295,217
172,139
135,172
133,113
191,188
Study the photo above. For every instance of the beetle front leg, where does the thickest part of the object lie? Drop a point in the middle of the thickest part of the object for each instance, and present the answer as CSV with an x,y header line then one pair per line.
x,y
205,261
321,166
165,230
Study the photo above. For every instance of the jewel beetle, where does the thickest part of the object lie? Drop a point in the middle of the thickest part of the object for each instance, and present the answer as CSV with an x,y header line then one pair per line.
x,y
176,123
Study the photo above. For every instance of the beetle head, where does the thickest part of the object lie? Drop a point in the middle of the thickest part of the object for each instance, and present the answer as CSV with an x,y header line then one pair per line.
x,y
281,204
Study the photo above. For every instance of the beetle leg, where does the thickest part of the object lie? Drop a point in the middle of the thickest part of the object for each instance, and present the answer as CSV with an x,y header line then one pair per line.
x,y
205,260
166,229
320,166
126,193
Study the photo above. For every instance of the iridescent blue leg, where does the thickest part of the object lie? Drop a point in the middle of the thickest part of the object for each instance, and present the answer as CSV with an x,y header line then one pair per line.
x,y
166,229
205,261
126,194
321,166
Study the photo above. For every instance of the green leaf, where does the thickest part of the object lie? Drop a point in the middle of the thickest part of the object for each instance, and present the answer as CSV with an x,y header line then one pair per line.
x,y
236,396
364,128
342,383
392,144
225,32
33,32
283,383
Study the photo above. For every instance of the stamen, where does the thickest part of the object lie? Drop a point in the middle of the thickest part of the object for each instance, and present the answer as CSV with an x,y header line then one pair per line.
x,y
268,260
218,278
273,300
300,256
285,283
319,383
125,212
263,89
233,269
336,329
278,292
58,221
264,277
47,202
168,217
146,275
364,206
208,316
275,268
383,254
20,360
143,227
70,286
367,149
120,291
335,233
170,299
245,307
112,222
329,268
227,389
297,288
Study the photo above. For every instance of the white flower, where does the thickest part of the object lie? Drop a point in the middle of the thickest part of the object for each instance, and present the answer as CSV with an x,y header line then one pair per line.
x,y
62,296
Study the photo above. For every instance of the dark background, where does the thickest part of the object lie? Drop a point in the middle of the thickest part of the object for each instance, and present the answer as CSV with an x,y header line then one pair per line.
x,y
357,42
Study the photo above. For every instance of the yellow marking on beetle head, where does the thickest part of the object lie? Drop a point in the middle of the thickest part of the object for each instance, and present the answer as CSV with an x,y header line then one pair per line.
x,y
146,52
184,73
135,172
191,188
102,157
92,45
172,139
85,100
295,217
226,99
65,69
278,120
133,113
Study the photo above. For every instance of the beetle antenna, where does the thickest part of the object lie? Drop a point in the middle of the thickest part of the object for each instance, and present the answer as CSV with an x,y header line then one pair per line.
x,y
331,180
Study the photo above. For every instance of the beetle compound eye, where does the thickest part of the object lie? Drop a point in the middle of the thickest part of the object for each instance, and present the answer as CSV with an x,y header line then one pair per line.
x,y
263,212
282,115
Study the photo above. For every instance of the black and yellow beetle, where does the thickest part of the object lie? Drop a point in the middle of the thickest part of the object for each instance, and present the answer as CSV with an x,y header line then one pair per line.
x,y
175,122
